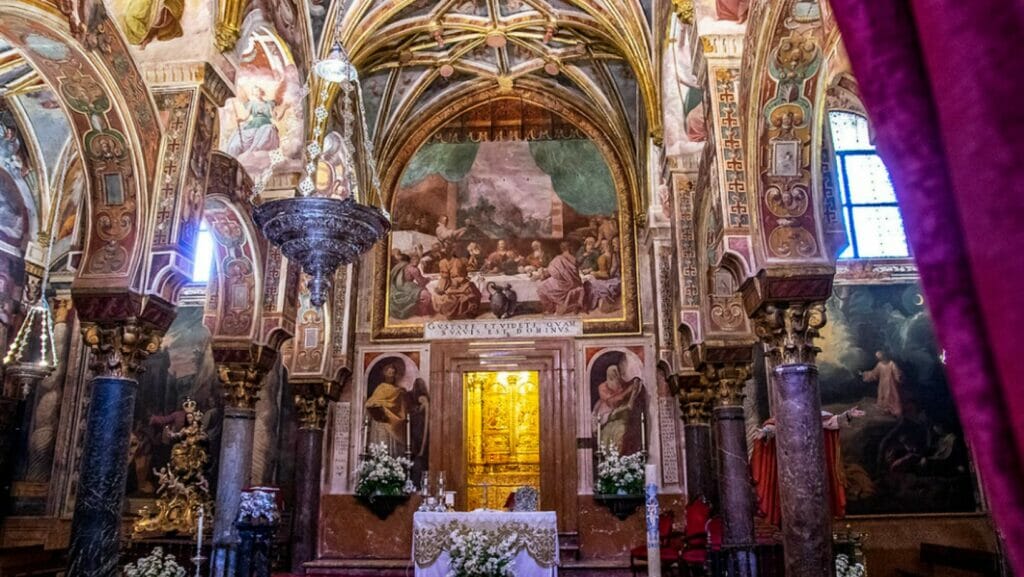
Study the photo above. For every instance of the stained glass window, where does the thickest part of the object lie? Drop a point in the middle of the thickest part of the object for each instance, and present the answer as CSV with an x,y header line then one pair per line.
x,y
874,226
202,260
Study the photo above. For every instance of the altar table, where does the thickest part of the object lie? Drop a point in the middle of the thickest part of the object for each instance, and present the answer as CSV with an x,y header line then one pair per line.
x,y
537,535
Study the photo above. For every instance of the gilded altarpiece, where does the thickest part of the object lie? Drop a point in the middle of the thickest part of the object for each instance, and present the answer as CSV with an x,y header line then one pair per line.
x,y
502,423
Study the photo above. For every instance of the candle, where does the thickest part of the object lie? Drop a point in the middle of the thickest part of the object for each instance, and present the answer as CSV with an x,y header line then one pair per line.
x,y
651,474
199,533
366,434
643,431
408,434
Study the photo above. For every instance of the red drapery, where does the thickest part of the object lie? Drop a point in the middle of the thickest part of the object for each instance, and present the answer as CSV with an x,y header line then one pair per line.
x,y
943,81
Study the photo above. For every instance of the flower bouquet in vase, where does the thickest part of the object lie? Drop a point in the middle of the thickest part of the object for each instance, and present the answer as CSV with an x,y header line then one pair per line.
x,y
383,480
620,481
156,564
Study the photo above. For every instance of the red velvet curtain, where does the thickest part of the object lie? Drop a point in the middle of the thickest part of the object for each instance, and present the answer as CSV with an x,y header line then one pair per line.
x,y
943,81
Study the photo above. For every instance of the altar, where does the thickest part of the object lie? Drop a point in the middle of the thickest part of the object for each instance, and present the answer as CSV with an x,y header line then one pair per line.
x,y
535,535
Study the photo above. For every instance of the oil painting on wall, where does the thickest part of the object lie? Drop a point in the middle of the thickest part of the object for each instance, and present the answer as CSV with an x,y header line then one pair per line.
x,y
182,369
396,405
901,444
508,229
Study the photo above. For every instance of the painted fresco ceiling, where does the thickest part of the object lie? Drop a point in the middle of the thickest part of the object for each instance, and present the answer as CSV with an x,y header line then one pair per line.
x,y
417,54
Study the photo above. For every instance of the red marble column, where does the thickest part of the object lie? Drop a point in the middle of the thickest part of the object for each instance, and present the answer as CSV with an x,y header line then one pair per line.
x,y
788,332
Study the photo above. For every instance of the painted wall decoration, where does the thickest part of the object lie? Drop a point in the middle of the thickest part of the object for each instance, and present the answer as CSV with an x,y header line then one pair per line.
x,y
50,125
68,224
906,453
17,183
508,229
267,113
183,368
618,397
396,387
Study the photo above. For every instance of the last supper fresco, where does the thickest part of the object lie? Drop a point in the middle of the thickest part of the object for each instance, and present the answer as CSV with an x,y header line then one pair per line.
x,y
515,228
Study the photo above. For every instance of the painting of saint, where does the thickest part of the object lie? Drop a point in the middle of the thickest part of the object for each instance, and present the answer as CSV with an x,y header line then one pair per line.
x,y
542,219
398,407
148,20
893,437
618,400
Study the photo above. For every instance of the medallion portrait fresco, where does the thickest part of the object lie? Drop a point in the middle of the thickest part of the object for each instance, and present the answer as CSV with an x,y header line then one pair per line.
x,y
498,220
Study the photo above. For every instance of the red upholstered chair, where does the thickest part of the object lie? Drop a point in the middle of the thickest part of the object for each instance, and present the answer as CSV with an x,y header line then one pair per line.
x,y
695,558
671,546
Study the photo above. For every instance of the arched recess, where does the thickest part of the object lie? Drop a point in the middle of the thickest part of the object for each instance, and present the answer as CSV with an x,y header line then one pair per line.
x,y
245,326
116,129
618,159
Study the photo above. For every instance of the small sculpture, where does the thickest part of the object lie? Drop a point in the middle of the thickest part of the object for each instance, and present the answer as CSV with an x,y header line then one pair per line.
x,y
184,489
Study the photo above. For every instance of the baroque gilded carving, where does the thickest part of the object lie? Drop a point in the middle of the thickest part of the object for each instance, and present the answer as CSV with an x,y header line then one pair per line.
x,y
118,350
789,331
311,412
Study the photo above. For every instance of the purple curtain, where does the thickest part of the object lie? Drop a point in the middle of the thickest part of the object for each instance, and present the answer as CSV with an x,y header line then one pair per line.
x,y
943,81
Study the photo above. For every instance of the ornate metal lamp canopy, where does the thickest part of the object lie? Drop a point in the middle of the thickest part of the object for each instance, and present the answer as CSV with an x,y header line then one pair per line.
x,y
322,231
32,355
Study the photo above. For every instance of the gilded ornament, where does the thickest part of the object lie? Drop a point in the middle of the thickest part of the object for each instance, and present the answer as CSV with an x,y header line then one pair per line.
x,y
184,489
311,412
684,10
695,404
728,380
118,350
241,385
789,331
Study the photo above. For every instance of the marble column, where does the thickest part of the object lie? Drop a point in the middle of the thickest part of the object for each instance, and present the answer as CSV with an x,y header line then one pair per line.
x,y
735,487
117,351
311,404
695,404
788,331
241,389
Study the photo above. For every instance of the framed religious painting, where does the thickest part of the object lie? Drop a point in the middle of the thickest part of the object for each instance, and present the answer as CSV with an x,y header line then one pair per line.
x,y
488,232
618,402
890,422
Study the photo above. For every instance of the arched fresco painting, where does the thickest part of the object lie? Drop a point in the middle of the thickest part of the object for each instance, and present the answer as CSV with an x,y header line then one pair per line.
x,y
498,223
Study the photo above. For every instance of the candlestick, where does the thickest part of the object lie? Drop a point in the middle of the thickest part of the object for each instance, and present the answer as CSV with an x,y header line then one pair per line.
x,y
366,434
199,533
408,437
643,431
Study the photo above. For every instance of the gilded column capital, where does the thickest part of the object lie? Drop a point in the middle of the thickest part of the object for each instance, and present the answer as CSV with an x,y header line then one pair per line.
x,y
312,400
241,384
695,403
684,9
311,412
728,381
789,331
119,349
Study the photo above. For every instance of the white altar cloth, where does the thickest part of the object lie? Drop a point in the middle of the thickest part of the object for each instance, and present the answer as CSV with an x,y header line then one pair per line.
x,y
538,535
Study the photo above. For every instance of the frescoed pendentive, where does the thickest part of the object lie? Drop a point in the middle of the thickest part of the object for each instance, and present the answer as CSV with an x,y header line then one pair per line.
x,y
508,229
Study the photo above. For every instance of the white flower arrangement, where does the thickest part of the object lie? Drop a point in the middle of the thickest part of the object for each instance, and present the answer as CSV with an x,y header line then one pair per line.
x,y
618,474
381,474
847,568
156,564
475,553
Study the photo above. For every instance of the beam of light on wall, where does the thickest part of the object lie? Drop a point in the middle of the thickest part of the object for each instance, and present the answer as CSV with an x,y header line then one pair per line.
x,y
203,258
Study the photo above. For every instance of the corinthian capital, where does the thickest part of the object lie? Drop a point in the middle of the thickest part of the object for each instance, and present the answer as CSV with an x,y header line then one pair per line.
x,y
789,331
312,400
727,380
241,384
694,400
118,349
